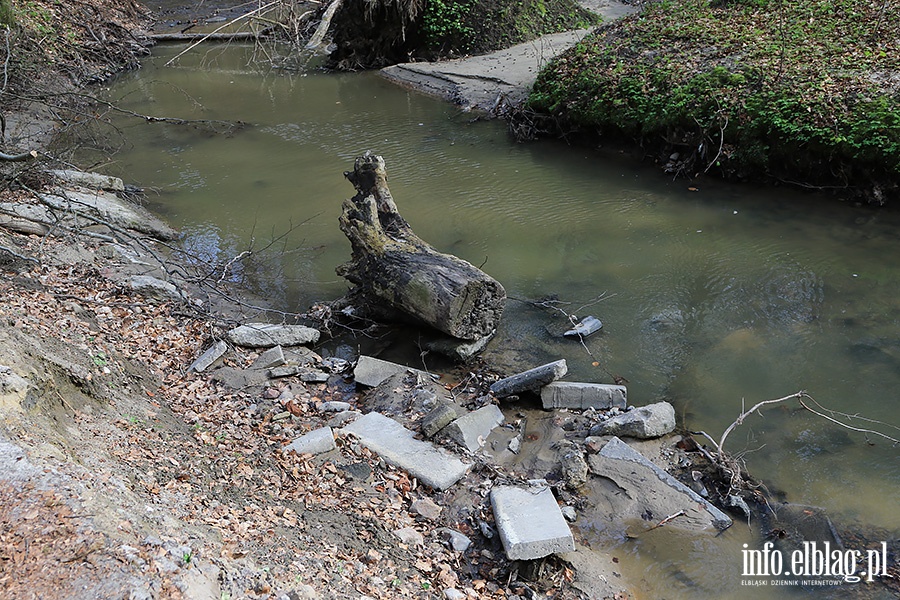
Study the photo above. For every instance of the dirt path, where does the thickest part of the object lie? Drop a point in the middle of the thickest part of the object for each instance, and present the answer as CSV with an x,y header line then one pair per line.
x,y
489,82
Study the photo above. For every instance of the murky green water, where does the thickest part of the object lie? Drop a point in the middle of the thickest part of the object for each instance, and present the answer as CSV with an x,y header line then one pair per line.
x,y
715,299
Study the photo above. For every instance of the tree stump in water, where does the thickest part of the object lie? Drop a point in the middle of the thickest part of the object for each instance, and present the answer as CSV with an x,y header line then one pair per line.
x,y
392,265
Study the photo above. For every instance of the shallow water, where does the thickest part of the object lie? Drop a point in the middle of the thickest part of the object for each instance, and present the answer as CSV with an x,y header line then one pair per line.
x,y
714,299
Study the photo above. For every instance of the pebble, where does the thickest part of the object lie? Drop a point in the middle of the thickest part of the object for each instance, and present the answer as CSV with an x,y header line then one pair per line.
x,y
426,508
569,513
453,594
334,406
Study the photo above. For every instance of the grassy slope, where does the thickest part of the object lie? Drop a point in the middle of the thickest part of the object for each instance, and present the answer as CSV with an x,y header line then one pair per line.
x,y
805,91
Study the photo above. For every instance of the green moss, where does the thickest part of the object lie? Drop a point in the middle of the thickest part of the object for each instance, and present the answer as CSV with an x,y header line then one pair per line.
x,y
6,13
802,90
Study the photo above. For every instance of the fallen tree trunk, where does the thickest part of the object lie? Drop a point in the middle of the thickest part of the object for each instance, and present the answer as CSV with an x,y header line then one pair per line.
x,y
392,265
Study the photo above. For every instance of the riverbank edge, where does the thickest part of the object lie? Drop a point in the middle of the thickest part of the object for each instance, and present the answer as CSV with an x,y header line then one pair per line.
x,y
548,89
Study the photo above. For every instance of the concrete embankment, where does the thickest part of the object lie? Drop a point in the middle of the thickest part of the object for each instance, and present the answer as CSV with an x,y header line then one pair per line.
x,y
503,78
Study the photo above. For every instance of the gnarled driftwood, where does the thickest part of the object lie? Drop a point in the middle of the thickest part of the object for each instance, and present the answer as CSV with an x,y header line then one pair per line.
x,y
392,265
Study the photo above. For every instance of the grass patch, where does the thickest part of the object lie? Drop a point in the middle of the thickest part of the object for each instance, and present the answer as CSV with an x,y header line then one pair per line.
x,y
806,91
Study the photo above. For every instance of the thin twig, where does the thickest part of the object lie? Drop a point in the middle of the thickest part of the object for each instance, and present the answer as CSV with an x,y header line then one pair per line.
x,y
220,28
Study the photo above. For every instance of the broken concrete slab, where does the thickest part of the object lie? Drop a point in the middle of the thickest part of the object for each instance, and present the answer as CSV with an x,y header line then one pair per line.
x,y
472,430
566,394
433,466
270,359
237,379
651,421
109,208
371,371
316,441
283,371
153,287
530,522
212,354
653,490
301,356
95,181
267,335
531,379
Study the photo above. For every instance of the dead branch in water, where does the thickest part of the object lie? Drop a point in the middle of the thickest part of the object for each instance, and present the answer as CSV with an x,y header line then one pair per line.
x,y
732,467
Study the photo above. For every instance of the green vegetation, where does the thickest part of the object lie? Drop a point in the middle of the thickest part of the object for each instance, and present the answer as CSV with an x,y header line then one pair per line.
x,y
6,13
806,91
475,26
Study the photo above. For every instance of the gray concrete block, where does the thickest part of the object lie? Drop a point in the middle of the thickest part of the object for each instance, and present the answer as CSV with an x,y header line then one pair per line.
x,y
565,394
271,358
372,371
266,335
530,522
212,354
656,491
316,441
433,466
651,421
472,429
532,379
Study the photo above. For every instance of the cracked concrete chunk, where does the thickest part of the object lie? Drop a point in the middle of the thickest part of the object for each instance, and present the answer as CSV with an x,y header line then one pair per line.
x,y
316,441
653,491
372,371
386,437
651,421
212,354
530,522
472,430
532,379
266,335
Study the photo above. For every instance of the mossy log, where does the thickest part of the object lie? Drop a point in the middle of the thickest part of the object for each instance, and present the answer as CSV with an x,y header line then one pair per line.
x,y
392,265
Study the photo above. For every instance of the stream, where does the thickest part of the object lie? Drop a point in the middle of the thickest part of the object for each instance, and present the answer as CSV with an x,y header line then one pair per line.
x,y
713,296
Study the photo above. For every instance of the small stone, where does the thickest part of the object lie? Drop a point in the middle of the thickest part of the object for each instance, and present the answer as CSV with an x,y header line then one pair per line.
x,y
568,513
314,442
343,417
486,529
409,536
426,508
271,358
458,541
312,375
515,444
271,393
453,594
360,471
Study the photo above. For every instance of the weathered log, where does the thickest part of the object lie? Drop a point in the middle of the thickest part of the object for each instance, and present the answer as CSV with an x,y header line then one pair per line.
x,y
391,265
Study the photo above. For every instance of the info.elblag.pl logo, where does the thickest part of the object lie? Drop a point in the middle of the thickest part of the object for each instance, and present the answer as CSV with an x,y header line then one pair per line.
x,y
813,564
